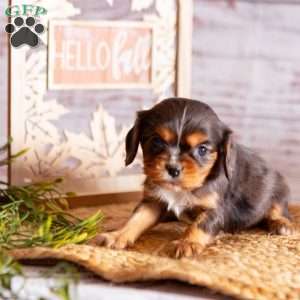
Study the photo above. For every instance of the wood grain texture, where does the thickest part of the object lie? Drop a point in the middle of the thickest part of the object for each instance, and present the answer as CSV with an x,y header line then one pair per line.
x,y
246,65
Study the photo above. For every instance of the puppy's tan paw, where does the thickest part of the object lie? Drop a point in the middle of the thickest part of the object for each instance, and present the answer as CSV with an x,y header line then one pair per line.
x,y
113,240
185,248
282,227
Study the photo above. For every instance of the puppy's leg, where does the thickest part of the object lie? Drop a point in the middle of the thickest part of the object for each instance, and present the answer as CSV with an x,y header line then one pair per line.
x,y
276,221
144,217
198,235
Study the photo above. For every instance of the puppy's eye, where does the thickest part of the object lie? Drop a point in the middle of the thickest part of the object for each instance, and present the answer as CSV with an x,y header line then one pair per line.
x,y
158,142
202,150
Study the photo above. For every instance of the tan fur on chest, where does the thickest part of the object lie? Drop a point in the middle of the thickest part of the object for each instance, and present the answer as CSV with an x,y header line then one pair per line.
x,y
180,200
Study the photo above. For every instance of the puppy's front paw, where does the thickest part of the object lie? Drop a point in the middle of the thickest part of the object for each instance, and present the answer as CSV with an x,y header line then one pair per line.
x,y
115,240
282,227
185,248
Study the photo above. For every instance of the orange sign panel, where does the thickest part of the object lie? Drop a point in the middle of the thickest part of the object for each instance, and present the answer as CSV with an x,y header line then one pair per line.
x,y
88,54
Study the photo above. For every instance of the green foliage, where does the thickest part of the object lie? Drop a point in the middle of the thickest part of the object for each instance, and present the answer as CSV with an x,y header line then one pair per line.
x,y
8,269
68,277
4,149
36,215
63,287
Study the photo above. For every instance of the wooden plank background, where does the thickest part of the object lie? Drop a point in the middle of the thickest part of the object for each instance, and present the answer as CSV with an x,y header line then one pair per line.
x,y
246,65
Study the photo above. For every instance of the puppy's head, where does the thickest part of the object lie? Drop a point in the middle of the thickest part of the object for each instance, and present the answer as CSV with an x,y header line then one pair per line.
x,y
183,142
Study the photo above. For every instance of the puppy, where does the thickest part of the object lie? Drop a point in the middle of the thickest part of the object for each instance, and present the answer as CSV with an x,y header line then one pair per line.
x,y
195,170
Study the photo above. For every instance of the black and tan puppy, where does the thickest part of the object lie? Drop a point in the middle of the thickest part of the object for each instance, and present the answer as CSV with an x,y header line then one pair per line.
x,y
195,170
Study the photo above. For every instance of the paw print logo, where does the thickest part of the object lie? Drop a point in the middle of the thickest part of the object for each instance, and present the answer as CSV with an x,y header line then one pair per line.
x,y
24,32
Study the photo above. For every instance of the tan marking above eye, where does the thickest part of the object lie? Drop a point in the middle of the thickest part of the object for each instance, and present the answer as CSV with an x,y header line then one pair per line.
x,y
195,138
168,135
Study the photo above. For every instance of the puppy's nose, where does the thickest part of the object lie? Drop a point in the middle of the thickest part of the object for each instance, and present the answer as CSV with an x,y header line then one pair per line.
x,y
173,171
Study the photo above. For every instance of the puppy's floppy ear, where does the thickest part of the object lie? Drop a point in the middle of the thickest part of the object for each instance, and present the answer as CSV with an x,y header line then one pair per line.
x,y
229,150
133,139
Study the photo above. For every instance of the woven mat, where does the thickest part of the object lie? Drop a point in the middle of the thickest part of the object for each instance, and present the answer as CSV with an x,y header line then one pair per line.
x,y
249,265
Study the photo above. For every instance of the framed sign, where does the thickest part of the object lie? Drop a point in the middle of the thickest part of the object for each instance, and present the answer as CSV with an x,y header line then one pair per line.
x,y
99,54
74,97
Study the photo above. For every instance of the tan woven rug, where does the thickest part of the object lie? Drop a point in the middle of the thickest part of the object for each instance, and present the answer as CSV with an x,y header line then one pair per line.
x,y
249,265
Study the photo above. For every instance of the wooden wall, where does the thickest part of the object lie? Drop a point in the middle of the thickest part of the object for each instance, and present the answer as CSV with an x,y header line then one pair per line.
x,y
246,65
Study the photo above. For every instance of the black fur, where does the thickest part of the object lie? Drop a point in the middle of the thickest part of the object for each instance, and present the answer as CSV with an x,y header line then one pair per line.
x,y
246,185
